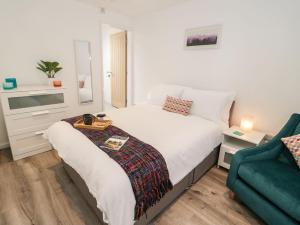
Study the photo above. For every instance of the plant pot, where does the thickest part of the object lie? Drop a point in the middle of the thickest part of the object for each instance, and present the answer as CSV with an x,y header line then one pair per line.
x,y
57,83
50,81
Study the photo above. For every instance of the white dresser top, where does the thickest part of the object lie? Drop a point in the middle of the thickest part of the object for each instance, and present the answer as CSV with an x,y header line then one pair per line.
x,y
24,88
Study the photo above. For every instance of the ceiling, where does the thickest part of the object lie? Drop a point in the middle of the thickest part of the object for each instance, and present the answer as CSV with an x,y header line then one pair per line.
x,y
133,7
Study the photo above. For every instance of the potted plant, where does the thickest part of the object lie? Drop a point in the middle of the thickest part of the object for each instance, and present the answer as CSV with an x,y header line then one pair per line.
x,y
50,69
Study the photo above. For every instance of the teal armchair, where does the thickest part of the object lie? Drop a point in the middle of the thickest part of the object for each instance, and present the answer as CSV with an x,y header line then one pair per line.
x,y
267,179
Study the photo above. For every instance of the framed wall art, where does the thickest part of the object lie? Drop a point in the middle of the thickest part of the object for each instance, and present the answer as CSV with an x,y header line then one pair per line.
x,y
203,37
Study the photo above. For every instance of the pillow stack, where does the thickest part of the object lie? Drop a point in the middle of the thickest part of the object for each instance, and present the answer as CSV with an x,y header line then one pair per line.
x,y
211,105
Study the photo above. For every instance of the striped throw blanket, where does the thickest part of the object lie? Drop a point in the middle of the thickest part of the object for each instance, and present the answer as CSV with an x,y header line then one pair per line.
x,y
143,164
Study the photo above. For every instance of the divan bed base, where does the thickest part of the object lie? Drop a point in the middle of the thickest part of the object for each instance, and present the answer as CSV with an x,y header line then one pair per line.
x,y
164,203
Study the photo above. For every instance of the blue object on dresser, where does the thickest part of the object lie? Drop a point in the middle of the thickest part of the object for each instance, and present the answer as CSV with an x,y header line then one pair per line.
x,y
267,179
11,80
7,85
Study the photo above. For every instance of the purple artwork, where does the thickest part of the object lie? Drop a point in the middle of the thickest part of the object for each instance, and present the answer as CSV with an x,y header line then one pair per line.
x,y
202,40
203,37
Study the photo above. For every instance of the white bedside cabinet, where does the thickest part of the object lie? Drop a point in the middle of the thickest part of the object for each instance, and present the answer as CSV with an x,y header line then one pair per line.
x,y
233,142
28,112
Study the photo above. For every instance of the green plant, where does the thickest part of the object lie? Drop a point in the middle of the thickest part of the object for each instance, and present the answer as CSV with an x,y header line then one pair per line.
x,y
49,68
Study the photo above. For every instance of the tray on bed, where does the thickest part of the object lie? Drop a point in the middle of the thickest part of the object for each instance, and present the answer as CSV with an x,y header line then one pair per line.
x,y
97,124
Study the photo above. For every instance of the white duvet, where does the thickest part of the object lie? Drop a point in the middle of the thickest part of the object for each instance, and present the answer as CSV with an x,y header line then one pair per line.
x,y
184,141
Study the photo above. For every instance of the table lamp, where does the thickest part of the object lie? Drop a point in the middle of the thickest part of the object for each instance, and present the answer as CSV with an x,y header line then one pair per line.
x,y
247,123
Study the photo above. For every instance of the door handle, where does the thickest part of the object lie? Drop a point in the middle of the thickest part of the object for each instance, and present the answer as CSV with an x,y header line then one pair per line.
x,y
39,133
40,113
108,74
32,93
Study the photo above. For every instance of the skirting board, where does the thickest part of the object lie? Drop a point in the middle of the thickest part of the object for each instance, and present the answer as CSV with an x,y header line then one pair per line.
x,y
4,145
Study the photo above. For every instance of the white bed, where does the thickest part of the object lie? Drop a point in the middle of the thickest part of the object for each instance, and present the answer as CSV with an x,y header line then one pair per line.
x,y
184,141
85,88
85,95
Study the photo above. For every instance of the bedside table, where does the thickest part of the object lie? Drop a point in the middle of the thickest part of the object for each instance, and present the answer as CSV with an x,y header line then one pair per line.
x,y
234,142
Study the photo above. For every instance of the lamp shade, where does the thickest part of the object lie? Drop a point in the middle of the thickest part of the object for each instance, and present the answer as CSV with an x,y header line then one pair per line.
x,y
247,123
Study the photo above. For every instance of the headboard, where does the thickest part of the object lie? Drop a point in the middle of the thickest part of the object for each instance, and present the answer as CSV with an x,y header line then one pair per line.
x,y
230,122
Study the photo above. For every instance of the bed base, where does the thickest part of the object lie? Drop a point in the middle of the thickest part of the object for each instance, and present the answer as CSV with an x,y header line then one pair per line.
x,y
165,202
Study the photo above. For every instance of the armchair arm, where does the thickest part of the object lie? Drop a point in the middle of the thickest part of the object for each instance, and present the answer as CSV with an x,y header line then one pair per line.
x,y
263,152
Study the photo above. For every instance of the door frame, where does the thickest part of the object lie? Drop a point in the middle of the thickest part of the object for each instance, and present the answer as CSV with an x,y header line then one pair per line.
x,y
130,83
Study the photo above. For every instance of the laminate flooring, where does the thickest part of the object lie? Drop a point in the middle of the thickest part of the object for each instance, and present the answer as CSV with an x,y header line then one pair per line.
x,y
37,191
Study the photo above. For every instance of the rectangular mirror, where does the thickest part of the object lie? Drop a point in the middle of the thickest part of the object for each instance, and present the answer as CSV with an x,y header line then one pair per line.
x,y
84,71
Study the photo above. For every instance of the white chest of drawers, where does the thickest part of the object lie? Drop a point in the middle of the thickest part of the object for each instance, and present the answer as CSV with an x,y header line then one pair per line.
x,y
28,112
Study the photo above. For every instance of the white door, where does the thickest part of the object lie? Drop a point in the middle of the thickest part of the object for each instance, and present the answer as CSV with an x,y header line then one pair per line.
x,y
119,69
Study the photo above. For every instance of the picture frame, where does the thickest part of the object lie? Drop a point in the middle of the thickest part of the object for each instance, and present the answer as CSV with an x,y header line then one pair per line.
x,y
206,37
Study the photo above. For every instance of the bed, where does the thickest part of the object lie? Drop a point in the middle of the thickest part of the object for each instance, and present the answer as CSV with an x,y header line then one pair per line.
x,y
85,95
85,88
189,145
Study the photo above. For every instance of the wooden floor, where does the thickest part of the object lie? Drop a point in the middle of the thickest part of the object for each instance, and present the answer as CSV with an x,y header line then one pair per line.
x,y
37,191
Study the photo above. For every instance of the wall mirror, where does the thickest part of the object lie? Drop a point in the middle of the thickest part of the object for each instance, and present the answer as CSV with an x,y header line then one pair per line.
x,y
84,71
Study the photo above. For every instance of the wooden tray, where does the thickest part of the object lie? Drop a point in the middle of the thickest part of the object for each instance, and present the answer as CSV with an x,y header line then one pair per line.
x,y
97,124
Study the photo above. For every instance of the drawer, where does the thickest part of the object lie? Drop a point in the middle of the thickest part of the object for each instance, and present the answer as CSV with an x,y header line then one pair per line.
x,y
225,152
33,121
29,142
225,147
28,101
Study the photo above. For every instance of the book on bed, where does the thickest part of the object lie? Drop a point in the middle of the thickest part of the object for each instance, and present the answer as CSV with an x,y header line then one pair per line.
x,y
115,142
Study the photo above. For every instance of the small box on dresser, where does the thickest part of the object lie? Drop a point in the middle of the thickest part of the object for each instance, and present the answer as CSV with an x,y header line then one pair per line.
x,y
234,142
28,112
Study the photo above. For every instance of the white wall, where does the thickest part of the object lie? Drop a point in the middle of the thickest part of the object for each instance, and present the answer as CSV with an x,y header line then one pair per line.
x,y
45,29
259,56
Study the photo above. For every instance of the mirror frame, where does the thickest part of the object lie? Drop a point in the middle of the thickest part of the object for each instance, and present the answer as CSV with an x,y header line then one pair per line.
x,y
76,71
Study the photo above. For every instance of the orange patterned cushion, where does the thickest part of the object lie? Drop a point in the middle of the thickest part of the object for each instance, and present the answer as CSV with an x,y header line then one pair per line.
x,y
293,144
178,105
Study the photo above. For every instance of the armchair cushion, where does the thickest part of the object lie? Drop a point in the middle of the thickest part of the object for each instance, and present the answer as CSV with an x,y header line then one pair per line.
x,y
293,144
276,181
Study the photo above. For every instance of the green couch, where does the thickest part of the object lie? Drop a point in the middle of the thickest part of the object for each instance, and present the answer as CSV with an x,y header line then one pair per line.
x,y
266,178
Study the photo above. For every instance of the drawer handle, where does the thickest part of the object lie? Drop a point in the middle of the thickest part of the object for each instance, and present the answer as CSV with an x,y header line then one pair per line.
x,y
40,113
39,132
32,93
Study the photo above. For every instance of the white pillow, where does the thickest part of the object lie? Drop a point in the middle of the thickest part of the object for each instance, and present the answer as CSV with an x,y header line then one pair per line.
x,y
159,93
88,82
212,105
